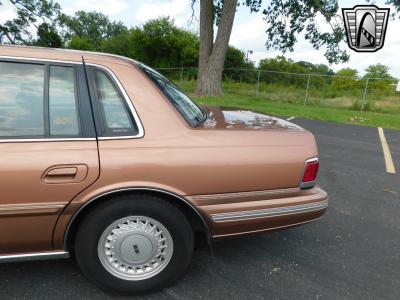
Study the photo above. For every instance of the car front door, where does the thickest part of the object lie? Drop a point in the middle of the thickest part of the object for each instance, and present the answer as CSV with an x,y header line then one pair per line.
x,y
48,149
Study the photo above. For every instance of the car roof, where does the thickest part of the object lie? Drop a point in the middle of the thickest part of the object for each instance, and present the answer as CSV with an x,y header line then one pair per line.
x,y
67,55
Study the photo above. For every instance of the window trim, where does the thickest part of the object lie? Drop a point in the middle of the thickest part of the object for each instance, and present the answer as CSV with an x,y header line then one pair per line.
x,y
84,133
127,102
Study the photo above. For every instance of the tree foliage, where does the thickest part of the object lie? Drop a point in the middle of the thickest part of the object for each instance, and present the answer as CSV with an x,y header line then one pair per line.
x,y
287,19
48,36
283,68
89,29
236,66
380,78
396,4
81,43
345,79
159,42
378,71
316,68
28,13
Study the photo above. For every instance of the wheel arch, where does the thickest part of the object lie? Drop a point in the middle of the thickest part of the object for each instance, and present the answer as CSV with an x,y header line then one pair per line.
x,y
196,219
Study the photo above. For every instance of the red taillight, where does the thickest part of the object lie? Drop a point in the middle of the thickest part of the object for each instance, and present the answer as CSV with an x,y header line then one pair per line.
x,y
310,174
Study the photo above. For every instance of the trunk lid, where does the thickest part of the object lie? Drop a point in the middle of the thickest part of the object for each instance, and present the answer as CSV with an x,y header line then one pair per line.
x,y
237,118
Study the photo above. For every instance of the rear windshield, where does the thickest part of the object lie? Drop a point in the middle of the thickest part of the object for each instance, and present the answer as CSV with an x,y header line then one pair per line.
x,y
192,113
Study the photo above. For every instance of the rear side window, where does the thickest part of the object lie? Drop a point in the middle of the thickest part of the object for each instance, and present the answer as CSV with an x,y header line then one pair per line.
x,y
62,101
192,113
38,100
116,119
22,99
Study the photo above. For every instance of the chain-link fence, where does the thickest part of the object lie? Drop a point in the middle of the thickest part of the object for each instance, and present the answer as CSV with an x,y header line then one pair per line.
x,y
371,94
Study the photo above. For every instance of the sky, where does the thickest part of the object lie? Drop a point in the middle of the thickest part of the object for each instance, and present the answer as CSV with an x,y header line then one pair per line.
x,y
248,30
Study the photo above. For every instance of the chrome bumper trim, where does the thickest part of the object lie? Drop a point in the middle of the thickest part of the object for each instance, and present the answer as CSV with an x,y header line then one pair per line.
x,y
307,185
33,256
269,212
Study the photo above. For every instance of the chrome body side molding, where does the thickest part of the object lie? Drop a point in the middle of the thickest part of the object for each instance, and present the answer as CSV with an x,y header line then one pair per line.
x,y
231,196
269,212
32,209
33,256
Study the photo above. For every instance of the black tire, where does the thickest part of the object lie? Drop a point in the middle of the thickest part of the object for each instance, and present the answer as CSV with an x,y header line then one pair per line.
x,y
95,223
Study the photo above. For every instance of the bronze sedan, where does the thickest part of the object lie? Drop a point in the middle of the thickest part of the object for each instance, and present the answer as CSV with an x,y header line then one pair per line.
x,y
105,160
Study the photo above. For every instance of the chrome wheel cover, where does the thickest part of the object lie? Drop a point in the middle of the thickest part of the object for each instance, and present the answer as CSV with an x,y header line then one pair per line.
x,y
135,248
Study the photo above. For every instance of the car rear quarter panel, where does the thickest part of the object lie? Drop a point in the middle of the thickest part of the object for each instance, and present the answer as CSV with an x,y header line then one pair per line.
x,y
189,162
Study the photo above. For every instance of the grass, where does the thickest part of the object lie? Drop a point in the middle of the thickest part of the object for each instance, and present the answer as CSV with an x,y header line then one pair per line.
x,y
323,113
378,100
342,107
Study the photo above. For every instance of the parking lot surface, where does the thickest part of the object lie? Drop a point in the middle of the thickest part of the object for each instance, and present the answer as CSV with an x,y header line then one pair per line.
x,y
352,253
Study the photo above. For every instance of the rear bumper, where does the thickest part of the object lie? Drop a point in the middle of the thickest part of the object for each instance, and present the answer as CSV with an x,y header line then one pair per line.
x,y
270,212
260,214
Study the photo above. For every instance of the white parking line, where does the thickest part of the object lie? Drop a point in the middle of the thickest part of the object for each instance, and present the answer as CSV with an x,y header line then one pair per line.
x,y
291,118
386,152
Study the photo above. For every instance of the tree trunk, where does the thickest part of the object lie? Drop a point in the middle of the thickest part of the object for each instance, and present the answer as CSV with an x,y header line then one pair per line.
x,y
211,65
206,32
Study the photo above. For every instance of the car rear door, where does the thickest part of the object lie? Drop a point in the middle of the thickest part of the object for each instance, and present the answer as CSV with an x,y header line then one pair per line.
x,y
48,148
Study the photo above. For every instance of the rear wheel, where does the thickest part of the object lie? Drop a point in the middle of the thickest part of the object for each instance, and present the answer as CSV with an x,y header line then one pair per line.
x,y
134,244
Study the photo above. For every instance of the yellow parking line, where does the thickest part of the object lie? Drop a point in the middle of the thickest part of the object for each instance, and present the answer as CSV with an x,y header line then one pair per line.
x,y
386,152
291,118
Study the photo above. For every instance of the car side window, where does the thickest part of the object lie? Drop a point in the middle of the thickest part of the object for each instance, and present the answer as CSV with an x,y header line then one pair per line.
x,y
116,119
63,110
21,99
38,100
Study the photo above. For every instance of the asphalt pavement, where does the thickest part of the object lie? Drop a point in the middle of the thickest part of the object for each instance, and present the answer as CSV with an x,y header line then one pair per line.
x,y
352,253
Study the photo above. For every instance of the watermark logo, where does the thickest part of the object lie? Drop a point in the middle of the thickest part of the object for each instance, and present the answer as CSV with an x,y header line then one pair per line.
x,y
365,27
